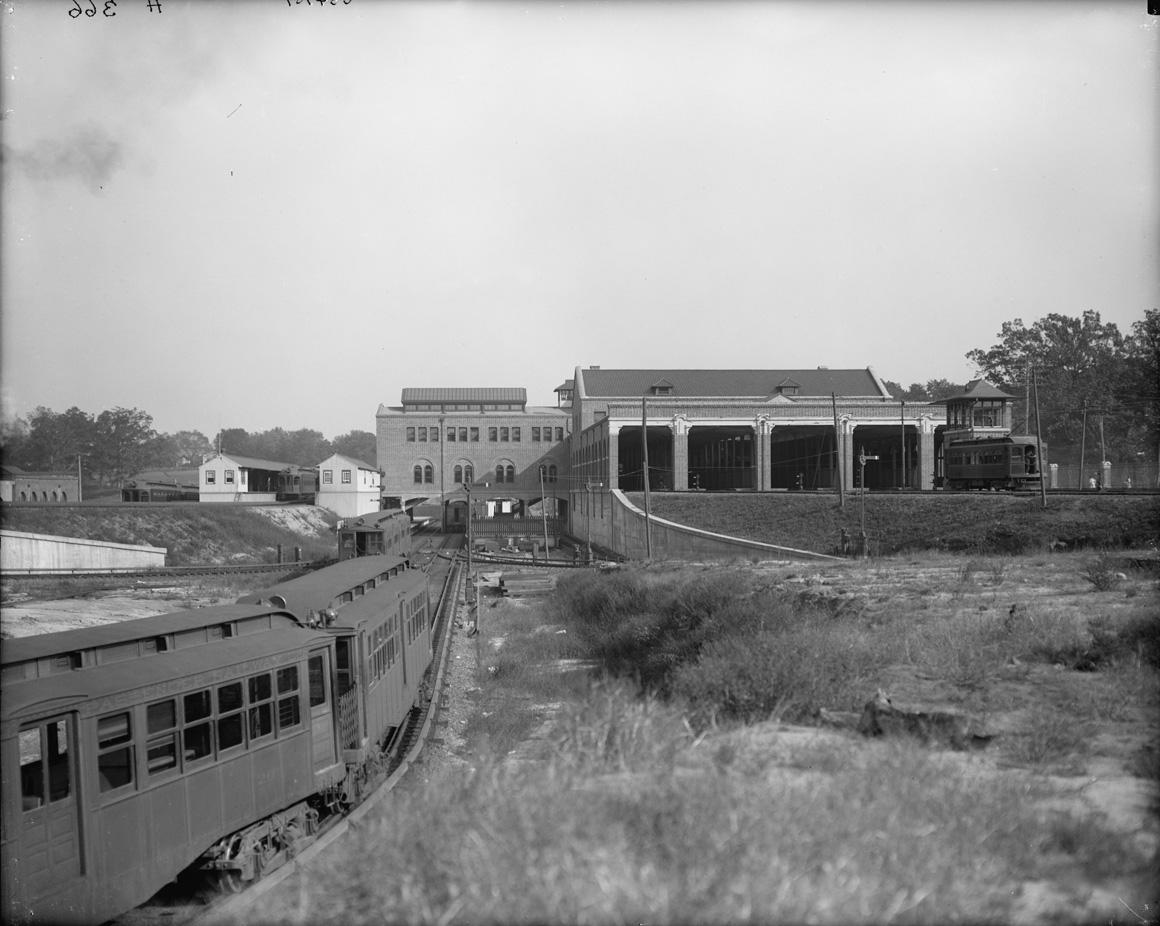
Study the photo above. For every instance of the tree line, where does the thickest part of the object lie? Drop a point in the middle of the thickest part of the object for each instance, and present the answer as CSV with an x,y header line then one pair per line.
x,y
117,444
1097,388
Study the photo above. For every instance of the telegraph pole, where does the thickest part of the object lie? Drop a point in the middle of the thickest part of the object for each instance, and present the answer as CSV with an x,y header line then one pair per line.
x,y
838,454
1039,443
862,458
644,454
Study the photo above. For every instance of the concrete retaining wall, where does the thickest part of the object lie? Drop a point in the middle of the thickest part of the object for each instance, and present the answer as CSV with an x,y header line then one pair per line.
x,y
21,552
618,524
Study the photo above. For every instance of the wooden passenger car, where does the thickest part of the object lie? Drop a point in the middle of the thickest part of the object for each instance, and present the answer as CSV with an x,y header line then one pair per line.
x,y
380,532
995,463
129,749
379,612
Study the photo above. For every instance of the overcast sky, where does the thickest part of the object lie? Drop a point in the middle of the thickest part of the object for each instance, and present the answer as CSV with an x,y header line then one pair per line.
x,y
256,215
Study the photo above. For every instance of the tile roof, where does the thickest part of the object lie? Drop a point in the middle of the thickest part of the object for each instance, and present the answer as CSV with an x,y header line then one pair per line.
x,y
732,383
500,394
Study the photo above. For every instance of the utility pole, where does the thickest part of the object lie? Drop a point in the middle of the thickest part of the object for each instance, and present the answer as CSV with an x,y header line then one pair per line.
x,y
862,458
544,512
442,497
1082,444
644,454
1039,443
80,480
588,487
902,422
838,454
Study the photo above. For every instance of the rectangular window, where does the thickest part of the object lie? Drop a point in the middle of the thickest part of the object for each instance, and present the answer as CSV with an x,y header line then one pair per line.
x,y
559,433
493,434
316,679
463,434
503,434
451,434
411,435
475,435
114,759
423,434
327,476
161,727
197,737
210,476
535,435
229,724
229,477
346,477
516,435
261,709
434,435
288,709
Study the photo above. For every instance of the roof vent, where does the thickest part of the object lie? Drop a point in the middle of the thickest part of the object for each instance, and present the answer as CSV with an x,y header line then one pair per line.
x,y
823,368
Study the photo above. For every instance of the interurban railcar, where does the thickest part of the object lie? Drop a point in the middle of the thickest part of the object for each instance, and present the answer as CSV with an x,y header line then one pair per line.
x,y
1011,462
209,738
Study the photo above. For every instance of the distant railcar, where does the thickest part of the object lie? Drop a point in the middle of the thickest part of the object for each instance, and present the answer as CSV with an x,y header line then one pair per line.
x,y
297,484
995,463
379,532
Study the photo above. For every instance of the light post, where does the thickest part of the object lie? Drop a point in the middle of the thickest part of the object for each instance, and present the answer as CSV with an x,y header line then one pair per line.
x,y
588,487
862,458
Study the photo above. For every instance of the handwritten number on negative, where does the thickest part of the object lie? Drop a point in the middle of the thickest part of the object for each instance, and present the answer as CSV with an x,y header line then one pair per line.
x,y
316,2
109,9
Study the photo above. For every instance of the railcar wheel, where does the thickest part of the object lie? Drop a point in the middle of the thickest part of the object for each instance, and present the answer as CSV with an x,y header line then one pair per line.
x,y
229,880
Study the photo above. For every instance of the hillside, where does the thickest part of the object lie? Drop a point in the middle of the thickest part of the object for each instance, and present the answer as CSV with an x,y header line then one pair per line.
x,y
995,523
194,535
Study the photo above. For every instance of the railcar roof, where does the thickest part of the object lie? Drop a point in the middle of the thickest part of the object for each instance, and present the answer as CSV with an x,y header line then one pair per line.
x,y
319,588
370,606
71,688
38,646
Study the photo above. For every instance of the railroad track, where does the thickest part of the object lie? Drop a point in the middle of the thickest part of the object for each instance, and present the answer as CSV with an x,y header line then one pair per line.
x,y
185,908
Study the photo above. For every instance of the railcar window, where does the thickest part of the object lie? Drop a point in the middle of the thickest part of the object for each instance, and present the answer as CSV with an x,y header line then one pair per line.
x,y
114,760
197,737
288,708
316,679
161,727
229,725
261,708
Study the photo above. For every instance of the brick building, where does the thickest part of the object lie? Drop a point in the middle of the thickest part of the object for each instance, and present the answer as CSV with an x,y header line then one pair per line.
x,y
440,439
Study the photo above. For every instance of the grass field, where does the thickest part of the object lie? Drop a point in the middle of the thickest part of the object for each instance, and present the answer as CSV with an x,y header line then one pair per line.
x,y
976,522
691,779
193,535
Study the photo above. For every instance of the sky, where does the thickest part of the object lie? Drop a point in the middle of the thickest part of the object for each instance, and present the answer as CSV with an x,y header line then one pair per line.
x,y
265,214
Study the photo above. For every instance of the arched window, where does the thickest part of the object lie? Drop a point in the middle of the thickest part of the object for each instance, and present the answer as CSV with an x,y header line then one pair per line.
x,y
418,473
511,473
458,473
499,473
24,496
428,474
64,496
469,473
44,496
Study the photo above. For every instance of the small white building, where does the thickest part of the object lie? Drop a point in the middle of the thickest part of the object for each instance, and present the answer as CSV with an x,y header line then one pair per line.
x,y
348,487
229,478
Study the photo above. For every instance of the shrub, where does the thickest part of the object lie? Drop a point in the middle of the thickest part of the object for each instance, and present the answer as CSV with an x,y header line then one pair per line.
x,y
1102,572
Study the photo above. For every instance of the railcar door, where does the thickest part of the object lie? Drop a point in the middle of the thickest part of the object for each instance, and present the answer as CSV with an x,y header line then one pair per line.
x,y
50,845
321,717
